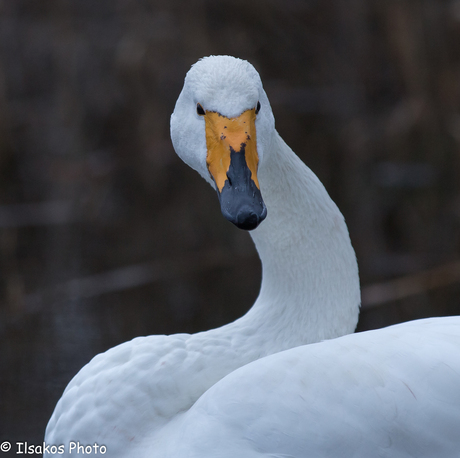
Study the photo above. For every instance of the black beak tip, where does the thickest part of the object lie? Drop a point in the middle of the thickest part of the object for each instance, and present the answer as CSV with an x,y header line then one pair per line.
x,y
247,219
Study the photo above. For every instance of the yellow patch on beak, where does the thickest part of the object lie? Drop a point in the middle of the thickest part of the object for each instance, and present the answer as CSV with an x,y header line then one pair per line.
x,y
224,135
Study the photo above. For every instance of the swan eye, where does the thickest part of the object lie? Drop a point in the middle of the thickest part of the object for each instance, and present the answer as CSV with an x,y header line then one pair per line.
x,y
258,108
200,110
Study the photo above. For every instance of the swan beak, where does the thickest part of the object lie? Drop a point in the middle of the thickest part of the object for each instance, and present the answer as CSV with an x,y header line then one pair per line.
x,y
232,161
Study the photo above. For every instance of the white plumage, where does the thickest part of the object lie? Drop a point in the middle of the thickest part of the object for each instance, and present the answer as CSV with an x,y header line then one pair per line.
x,y
390,393
359,395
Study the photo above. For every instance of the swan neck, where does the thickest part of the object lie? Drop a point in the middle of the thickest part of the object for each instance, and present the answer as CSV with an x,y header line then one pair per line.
x,y
310,284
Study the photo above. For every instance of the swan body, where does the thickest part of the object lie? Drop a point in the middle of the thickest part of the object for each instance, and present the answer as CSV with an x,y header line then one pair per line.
x,y
390,393
130,397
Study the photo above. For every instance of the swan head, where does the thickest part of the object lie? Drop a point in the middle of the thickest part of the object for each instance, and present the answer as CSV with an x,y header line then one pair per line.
x,y
222,127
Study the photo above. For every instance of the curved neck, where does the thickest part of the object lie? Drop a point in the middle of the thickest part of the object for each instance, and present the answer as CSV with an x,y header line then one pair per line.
x,y
310,284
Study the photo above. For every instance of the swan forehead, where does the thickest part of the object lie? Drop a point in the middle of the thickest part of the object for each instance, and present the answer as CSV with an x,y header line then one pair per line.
x,y
224,84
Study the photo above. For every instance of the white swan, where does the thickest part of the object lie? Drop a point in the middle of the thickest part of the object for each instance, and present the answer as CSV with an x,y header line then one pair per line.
x,y
223,127
352,396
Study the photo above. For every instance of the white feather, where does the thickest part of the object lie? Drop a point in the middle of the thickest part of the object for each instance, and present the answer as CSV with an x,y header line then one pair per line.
x,y
388,393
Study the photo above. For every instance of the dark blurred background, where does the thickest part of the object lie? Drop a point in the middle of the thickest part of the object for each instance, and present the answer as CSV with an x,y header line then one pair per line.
x,y
106,235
